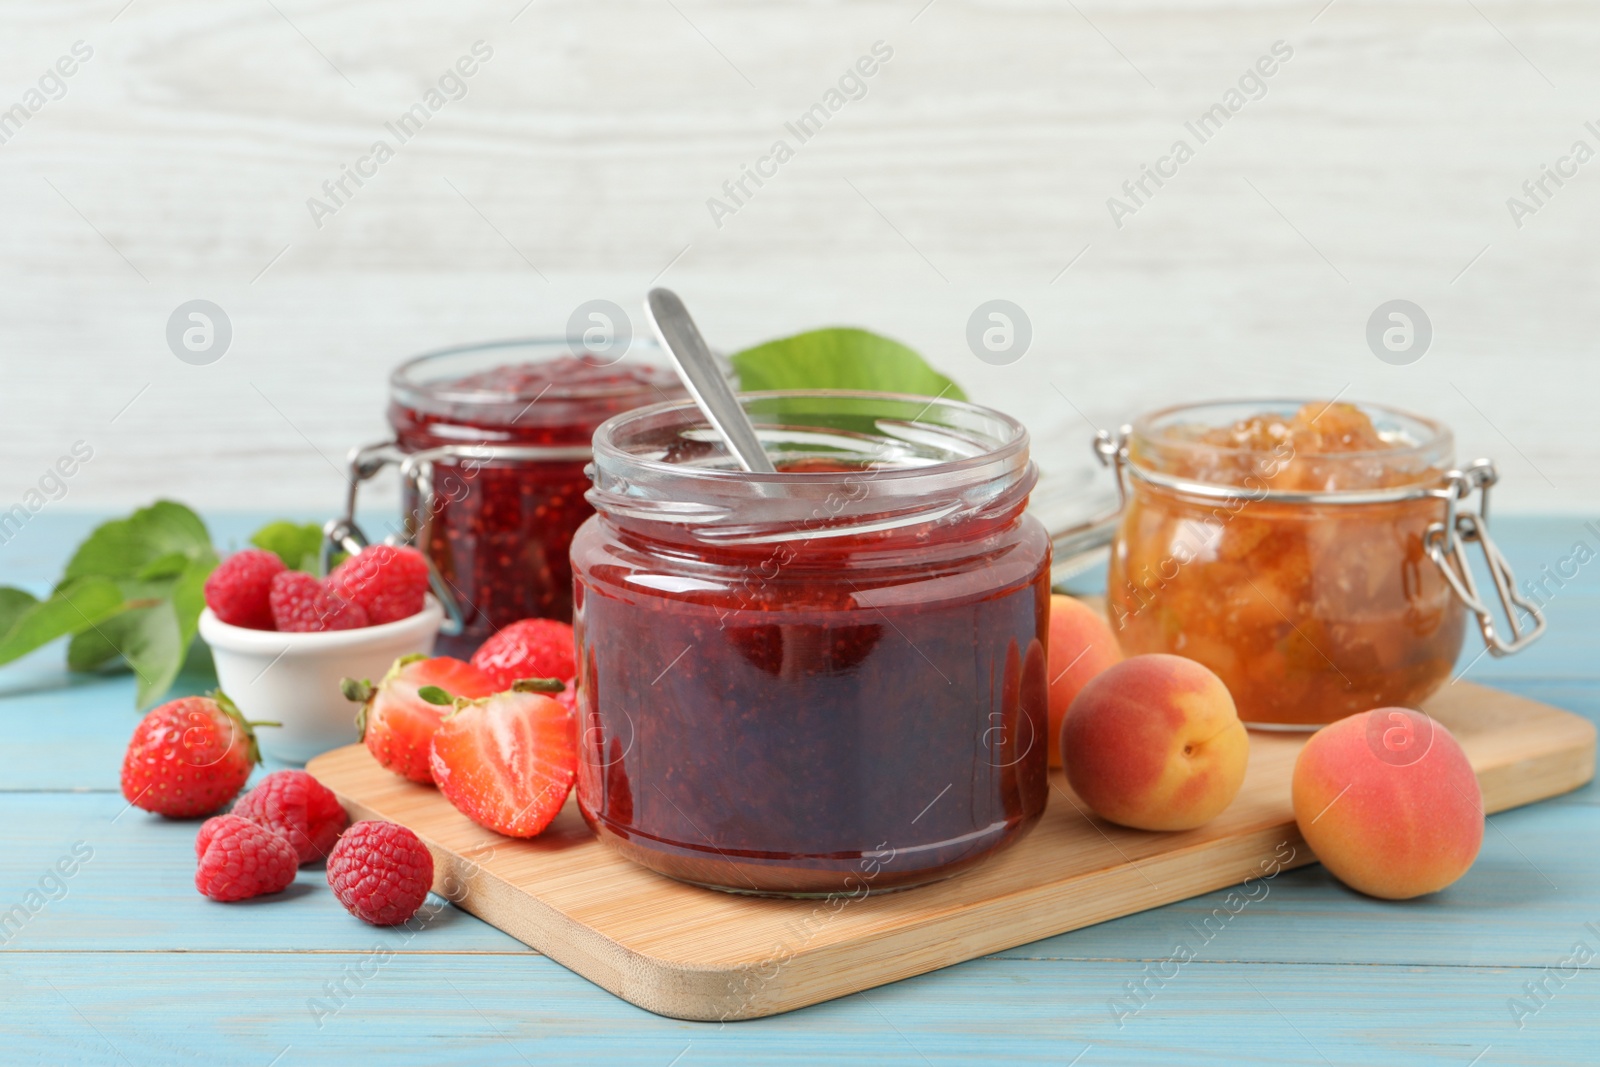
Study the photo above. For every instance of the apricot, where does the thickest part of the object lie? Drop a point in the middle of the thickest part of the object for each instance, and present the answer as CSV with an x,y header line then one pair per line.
x,y
1081,646
1389,803
1154,742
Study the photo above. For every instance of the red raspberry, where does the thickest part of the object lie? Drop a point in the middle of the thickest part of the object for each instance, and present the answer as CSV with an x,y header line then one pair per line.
x,y
531,648
380,872
188,757
236,592
240,859
301,604
388,583
300,808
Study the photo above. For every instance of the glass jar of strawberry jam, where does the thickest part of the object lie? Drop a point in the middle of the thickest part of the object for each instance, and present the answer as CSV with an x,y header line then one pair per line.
x,y
826,680
1314,555
492,441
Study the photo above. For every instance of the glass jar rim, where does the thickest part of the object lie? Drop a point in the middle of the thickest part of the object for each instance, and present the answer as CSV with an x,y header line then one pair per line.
x,y
1424,446
407,387
605,437
1145,425
904,459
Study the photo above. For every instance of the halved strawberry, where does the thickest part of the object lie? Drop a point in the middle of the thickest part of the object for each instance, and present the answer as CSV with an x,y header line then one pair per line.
x,y
399,715
508,762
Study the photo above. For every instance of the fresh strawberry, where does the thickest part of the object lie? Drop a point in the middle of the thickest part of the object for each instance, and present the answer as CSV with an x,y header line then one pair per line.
x,y
189,757
300,808
397,720
386,582
236,592
241,859
381,872
507,762
531,648
301,604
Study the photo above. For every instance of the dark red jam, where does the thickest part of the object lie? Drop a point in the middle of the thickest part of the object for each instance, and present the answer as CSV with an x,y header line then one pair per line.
x,y
826,706
499,529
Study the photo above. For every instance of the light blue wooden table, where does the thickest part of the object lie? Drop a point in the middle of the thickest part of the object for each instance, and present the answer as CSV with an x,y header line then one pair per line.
x,y
125,964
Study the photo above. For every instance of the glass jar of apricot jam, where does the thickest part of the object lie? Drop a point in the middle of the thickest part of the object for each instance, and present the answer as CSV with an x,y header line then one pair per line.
x,y
828,680
1314,555
492,441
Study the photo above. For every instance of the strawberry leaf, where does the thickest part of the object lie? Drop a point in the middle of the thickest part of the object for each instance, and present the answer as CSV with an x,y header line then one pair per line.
x,y
840,358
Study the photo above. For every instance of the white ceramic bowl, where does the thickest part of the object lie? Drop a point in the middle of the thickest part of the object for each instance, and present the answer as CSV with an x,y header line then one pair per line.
x,y
294,678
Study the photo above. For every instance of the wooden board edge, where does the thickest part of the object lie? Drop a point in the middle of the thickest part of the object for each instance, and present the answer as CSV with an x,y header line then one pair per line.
x,y
1026,915
1542,777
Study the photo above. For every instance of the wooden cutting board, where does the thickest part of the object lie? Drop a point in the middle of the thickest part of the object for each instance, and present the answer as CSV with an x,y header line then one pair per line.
x,y
693,953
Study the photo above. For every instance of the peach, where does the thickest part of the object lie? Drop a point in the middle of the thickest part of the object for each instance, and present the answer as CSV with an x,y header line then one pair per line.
x,y
1389,803
1081,646
1154,742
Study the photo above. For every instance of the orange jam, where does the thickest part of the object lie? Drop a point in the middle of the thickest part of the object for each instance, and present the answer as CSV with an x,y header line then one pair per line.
x,y
1282,545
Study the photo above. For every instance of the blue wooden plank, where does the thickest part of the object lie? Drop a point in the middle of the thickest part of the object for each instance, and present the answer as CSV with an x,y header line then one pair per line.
x,y
257,1009
1530,888
134,890
1529,893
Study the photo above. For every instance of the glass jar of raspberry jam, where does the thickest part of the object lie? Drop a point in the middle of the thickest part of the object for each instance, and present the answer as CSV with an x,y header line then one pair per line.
x,y
1314,555
492,441
826,680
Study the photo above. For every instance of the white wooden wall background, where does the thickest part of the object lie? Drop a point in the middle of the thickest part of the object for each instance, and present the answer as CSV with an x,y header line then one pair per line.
x,y
179,161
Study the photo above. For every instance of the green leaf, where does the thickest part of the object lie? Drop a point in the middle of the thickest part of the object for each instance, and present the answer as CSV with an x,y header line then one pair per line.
x,y
137,590
150,641
189,599
538,685
132,592
300,547
166,566
198,662
155,639
75,606
13,603
124,548
840,358
92,650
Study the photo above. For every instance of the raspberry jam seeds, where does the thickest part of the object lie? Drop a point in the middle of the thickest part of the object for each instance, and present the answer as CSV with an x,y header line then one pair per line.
x,y
828,680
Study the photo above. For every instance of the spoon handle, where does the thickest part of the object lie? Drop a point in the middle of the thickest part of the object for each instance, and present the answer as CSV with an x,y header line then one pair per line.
x,y
704,379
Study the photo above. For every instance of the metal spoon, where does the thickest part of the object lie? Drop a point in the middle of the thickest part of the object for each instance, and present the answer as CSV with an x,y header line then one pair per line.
x,y
704,379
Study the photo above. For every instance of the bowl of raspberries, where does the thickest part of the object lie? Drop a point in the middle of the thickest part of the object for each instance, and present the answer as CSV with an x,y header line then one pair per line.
x,y
283,639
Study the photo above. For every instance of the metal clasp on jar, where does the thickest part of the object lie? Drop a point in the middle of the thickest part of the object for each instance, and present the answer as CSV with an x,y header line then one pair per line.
x,y
417,472
1447,543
